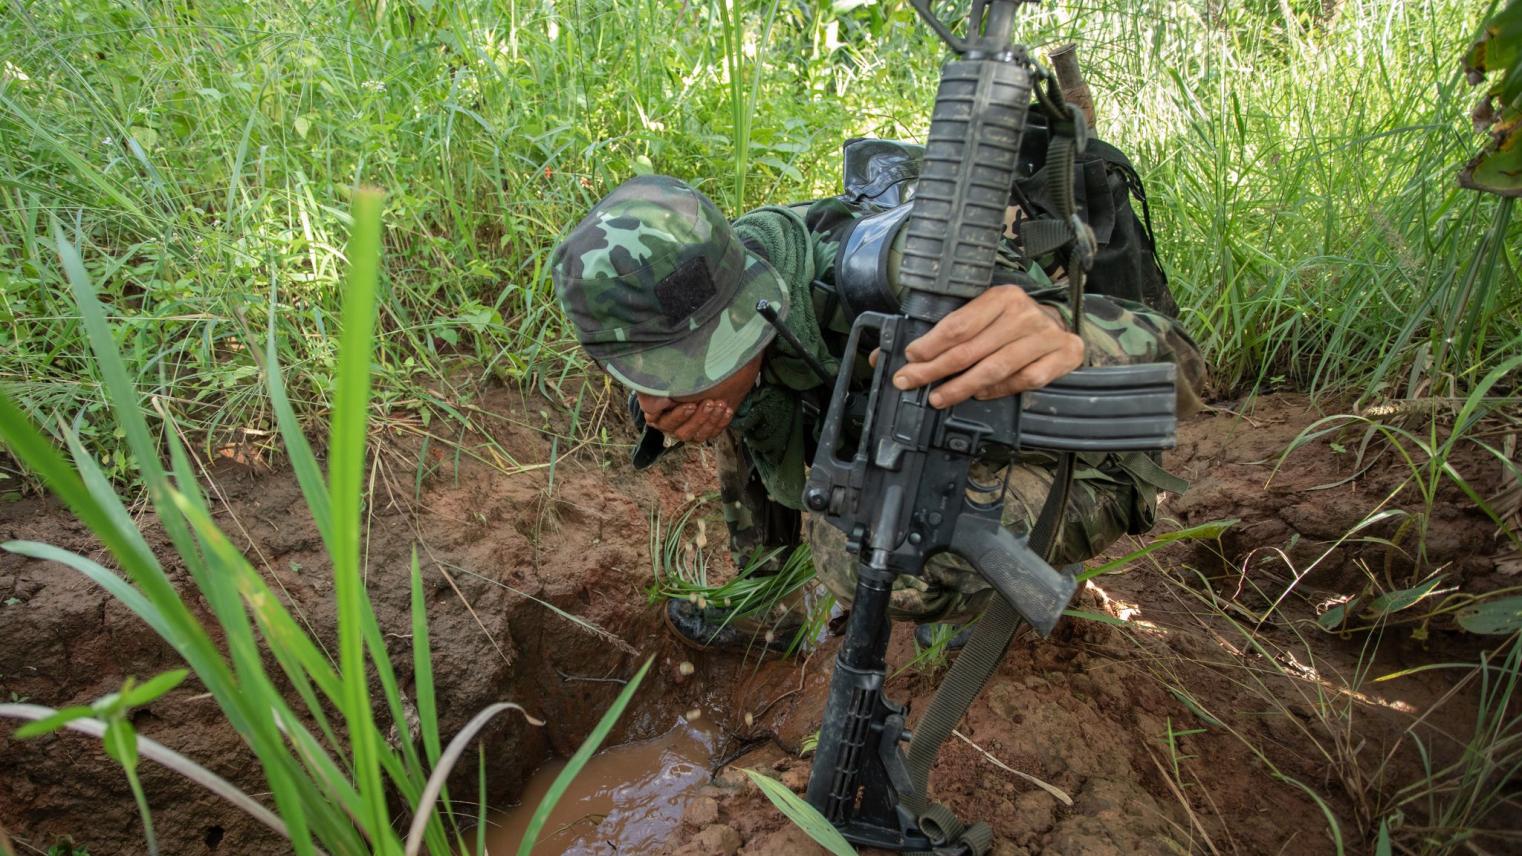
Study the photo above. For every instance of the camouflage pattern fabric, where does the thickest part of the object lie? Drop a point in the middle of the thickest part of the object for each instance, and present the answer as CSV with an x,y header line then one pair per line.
x,y
1118,332
772,421
756,524
1111,494
1098,512
661,291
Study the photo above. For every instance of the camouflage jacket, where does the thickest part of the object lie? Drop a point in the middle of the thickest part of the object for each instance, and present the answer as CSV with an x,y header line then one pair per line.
x,y
777,422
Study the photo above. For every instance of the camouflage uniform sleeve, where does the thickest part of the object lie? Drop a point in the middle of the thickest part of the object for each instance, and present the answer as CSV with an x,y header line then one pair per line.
x,y
1116,332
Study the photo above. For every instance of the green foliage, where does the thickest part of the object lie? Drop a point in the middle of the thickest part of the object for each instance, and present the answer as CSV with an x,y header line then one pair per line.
x,y
680,556
1209,531
805,816
120,738
1501,616
1298,157
333,794
202,159
933,657
1427,453
1498,167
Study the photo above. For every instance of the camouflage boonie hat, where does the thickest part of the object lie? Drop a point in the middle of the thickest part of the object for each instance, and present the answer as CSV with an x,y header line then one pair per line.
x,y
661,290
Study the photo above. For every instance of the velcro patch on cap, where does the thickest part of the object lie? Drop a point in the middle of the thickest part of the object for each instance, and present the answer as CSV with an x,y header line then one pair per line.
x,y
686,289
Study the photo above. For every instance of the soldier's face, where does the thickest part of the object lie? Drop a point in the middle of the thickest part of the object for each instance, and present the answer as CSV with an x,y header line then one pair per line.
x,y
703,415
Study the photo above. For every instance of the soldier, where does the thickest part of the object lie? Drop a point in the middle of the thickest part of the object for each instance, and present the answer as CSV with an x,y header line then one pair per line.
x,y
662,291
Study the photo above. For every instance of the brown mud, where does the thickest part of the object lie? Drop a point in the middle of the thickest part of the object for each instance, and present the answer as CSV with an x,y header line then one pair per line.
x,y
629,799
1170,733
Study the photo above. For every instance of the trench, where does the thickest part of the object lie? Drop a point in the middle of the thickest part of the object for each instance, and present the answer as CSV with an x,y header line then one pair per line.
x,y
1052,703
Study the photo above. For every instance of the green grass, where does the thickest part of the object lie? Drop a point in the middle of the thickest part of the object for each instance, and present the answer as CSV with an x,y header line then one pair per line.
x,y
1301,173
1424,779
177,206
334,789
680,555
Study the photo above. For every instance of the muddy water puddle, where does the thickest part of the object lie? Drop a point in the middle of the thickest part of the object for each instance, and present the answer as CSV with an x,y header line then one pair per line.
x,y
627,799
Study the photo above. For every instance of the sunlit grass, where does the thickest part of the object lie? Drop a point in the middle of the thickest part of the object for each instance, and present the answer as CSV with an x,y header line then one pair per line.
x,y
1300,171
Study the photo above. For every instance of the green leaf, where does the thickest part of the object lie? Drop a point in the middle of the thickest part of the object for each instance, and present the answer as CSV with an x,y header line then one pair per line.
x,y
153,688
49,724
1337,615
1395,601
121,742
1497,169
781,166
346,471
422,667
1498,166
302,124
803,815
1495,617
1208,531
579,760
146,137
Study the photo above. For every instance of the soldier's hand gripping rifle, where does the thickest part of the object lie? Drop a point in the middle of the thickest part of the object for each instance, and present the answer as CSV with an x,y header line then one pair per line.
x,y
903,492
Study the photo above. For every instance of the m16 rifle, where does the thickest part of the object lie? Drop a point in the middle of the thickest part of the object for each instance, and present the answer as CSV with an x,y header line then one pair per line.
x,y
905,491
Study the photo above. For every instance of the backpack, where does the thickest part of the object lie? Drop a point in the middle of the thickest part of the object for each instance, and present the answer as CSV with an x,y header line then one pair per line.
x,y
879,175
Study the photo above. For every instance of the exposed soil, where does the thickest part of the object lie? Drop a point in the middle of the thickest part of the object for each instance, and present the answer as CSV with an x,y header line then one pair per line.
x,y
1172,733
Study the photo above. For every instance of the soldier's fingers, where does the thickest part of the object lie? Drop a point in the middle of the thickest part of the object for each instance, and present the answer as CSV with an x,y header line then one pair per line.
x,y
705,423
673,418
999,367
1043,371
953,360
1040,372
711,421
1024,321
967,321
720,420
689,427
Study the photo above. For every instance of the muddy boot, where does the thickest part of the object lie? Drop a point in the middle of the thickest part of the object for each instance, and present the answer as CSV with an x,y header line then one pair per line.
x,y
710,628
924,635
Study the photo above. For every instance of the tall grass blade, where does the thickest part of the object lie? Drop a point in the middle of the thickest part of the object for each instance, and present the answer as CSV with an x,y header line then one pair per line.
x,y
435,786
346,463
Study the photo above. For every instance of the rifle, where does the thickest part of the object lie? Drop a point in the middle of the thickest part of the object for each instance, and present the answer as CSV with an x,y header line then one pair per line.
x,y
903,492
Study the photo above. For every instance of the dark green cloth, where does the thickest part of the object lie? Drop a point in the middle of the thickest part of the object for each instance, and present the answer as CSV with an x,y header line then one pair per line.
x,y
770,420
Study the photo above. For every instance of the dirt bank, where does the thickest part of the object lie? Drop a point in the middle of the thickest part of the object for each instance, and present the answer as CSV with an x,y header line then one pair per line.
x,y
1176,730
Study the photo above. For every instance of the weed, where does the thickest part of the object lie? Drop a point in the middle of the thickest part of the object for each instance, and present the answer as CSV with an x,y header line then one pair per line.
x,y
1311,235
331,794
1318,716
680,555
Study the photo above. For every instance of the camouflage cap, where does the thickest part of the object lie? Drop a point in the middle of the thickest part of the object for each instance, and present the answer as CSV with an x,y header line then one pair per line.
x,y
661,290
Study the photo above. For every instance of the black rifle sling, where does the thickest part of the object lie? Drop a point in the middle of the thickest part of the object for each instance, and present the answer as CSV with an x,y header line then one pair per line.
x,y
993,632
